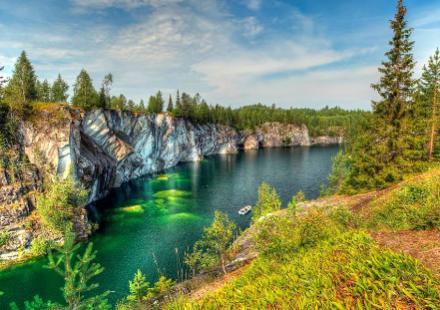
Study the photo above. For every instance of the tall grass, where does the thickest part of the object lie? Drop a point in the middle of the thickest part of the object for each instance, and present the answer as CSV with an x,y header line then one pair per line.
x,y
415,205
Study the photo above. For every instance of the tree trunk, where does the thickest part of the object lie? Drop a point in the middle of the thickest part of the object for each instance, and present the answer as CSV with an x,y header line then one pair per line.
x,y
433,121
222,259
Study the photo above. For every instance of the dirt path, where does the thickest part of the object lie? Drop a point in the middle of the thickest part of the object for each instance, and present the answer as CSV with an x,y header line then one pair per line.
x,y
423,245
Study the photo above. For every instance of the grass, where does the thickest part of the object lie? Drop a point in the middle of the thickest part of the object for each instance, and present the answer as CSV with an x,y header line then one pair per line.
x,y
413,206
346,272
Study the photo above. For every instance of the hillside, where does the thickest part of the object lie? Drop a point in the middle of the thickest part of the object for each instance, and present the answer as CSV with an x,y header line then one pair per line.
x,y
378,250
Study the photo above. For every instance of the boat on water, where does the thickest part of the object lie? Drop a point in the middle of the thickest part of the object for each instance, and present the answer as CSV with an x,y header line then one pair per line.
x,y
245,210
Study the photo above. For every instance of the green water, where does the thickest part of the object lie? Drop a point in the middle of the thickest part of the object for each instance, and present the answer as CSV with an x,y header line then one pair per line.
x,y
150,222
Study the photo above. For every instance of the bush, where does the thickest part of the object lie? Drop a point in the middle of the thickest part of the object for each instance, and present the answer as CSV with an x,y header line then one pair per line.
x,y
4,238
41,246
56,207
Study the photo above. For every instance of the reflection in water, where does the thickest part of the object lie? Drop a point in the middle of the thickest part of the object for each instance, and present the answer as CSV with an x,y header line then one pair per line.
x,y
164,215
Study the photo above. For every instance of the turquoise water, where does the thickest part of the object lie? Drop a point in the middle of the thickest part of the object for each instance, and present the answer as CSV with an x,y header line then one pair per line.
x,y
150,222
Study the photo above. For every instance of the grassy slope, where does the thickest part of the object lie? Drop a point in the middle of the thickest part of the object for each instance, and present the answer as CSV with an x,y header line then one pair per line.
x,y
370,251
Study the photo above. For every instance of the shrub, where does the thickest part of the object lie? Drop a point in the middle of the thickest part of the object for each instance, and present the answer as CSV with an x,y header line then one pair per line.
x,y
56,207
4,238
41,246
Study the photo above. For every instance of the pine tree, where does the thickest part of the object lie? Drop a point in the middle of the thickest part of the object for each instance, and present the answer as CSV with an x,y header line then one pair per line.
x,y
142,107
138,287
102,101
77,275
396,88
43,91
106,88
212,248
84,94
178,105
159,102
170,107
59,90
429,86
22,86
268,201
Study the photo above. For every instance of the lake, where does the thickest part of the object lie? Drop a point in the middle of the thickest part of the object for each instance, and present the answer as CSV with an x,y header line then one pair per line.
x,y
150,222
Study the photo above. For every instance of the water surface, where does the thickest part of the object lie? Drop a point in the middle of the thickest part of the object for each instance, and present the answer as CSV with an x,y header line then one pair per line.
x,y
148,223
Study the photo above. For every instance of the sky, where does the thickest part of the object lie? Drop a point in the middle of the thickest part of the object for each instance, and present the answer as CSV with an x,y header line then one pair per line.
x,y
298,53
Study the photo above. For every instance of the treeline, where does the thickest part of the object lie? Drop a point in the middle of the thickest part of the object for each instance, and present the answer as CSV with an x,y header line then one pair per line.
x,y
24,88
401,136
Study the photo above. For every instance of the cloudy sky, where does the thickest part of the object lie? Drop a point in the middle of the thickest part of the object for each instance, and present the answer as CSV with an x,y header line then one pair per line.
x,y
299,53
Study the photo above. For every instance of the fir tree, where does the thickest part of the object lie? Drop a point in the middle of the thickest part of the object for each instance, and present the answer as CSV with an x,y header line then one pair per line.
x,y
84,94
22,86
59,90
268,201
138,287
77,275
102,101
396,89
170,107
212,248
43,91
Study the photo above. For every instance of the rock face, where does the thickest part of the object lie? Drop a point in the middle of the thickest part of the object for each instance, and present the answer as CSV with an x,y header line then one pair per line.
x,y
103,149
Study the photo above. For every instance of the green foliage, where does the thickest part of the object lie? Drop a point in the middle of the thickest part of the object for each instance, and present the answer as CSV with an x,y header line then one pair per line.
x,y
212,248
59,90
77,274
84,94
40,246
57,206
36,304
21,88
155,104
347,271
160,287
414,206
138,287
4,238
268,201
43,91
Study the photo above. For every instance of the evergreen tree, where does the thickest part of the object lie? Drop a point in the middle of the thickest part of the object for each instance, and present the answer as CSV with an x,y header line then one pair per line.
x,y
170,107
142,107
43,91
429,86
84,94
59,90
22,86
138,287
212,248
131,105
105,89
268,201
178,106
102,101
155,103
77,275
396,88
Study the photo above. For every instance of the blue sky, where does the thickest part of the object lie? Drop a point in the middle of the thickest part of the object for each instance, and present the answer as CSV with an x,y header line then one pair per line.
x,y
234,52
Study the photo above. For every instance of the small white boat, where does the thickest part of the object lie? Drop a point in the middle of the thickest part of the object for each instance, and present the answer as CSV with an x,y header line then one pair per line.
x,y
245,210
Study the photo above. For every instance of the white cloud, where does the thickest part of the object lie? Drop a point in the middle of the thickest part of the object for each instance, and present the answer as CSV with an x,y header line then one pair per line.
x,y
251,26
253,4
124,4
